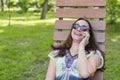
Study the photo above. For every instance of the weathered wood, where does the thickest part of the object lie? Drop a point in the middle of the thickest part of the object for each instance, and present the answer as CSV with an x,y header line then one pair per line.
x,y
81,2
101,46
80,13
100,37
67,24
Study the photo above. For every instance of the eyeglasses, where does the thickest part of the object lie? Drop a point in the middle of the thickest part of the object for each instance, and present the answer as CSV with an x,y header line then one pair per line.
x,y
83,27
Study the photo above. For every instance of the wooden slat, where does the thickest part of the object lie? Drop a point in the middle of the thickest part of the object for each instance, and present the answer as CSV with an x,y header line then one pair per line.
x,y
100,37
101,46
98,75
81,13
81,2
67,24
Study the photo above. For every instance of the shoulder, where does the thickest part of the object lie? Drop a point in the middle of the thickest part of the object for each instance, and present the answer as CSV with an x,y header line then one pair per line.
x,y
93,53
53,53
99,54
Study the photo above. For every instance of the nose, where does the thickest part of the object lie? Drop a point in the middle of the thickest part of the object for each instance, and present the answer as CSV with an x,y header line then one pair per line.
x,y
78,29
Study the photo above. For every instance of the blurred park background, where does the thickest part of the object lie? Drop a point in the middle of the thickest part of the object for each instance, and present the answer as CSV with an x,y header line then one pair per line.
x,y
26,33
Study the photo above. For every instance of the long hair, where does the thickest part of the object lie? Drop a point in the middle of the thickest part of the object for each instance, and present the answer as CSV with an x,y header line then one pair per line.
x,y
92,45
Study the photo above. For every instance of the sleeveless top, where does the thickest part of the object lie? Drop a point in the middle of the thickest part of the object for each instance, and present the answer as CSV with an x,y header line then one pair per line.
x,y
66,66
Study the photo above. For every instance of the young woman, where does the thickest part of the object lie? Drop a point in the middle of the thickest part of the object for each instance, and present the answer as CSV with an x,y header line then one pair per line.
x,y
78,57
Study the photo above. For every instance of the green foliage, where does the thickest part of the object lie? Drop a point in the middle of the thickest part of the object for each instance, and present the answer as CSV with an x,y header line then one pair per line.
x,y
50,7
112,10
13,4
24,5
118,7
40,1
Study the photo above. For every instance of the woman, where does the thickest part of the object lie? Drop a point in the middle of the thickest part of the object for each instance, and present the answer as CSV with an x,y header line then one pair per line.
x,y
78,57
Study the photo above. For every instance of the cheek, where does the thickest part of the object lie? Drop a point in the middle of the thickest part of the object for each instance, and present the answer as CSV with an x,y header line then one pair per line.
x,y
75,36
72,33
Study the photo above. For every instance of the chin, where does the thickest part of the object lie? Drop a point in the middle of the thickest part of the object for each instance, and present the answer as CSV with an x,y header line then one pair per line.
x,y
77,39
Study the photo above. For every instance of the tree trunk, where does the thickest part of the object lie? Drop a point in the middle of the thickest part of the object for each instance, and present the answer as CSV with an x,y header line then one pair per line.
x,y
2,5
8,3
44,9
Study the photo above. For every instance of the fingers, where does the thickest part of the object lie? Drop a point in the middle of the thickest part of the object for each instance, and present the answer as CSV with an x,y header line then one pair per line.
x,y
86,35
86,38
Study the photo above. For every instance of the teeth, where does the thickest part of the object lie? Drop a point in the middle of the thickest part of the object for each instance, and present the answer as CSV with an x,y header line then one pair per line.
x,y
78,34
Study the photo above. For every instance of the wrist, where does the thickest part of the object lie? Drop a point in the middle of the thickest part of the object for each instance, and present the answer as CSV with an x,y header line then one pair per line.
x,y
81,49
81,46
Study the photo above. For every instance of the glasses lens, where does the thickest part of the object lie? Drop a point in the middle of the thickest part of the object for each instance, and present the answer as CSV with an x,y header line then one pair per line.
x,y
83,27
76,26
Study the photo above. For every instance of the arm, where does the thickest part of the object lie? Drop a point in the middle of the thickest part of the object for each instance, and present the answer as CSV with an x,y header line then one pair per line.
x,y
51,71
86,66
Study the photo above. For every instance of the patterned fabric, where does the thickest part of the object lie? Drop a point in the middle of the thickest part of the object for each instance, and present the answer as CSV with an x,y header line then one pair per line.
x,y
67,68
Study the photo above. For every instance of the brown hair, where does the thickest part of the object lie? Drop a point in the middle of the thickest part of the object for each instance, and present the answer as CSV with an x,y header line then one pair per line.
x,y
92,45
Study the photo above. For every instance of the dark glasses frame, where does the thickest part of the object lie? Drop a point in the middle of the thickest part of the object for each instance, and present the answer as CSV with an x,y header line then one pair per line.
x,y
83,27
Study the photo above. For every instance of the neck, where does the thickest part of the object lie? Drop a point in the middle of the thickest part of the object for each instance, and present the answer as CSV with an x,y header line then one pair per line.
x,y
74,48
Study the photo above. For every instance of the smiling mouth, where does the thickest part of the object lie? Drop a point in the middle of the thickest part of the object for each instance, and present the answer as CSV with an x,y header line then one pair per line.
x,y
78,34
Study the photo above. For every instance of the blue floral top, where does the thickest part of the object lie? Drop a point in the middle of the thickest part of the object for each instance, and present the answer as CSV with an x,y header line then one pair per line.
x,y
67,66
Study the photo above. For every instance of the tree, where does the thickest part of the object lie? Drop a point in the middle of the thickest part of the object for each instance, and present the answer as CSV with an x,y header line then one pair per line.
x,y
44,9
23,4
8,3
2,5
112,11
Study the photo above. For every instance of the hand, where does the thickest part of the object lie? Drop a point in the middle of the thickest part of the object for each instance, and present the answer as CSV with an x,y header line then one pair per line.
x,y
85,39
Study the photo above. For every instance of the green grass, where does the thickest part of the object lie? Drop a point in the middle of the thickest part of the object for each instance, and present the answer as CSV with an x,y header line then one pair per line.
x,y
25,44
24,47
112,52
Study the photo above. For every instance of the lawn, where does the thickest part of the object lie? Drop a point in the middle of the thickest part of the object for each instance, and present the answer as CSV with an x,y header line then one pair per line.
x,y
24,47
25,44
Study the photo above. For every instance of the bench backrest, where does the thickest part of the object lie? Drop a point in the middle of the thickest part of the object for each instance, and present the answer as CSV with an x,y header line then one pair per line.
x,y
91,9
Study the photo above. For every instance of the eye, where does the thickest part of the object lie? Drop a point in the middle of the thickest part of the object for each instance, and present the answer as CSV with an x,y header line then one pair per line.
x,y
76,26
84,26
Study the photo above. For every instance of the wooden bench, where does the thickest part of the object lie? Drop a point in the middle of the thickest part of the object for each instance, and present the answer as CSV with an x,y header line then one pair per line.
x,y
94,10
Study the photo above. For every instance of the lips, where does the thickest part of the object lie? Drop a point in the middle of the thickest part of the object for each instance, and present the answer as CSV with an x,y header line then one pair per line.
x,y
78,33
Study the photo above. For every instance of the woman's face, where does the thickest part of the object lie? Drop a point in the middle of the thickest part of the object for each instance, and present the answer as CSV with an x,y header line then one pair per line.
x,y
78,32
